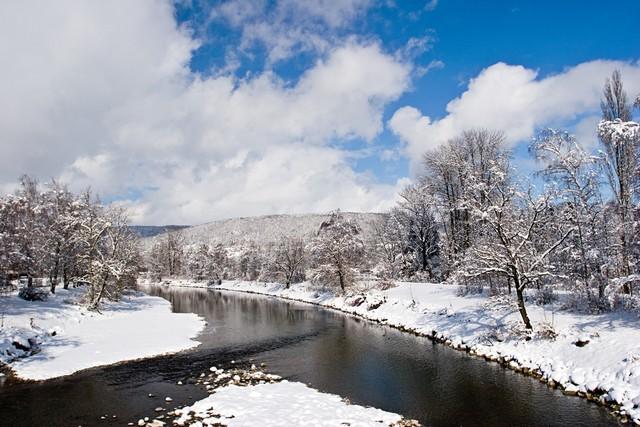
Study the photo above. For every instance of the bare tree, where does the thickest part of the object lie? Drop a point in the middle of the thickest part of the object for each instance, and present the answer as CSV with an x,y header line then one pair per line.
x,y
448,171
615,104
288,261
574,175
388,242
167,254
415,213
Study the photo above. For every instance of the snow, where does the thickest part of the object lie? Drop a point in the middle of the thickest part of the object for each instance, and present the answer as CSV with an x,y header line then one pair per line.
x,y
282,404
607,366
70,338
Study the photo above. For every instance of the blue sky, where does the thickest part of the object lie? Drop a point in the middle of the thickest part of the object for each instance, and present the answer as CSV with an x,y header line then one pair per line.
x,y
462,37
190,111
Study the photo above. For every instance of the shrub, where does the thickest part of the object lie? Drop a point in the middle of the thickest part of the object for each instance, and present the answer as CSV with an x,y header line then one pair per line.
x,y
33,294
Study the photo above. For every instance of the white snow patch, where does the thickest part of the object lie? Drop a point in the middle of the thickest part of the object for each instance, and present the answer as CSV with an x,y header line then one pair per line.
x,y
283,404
138,326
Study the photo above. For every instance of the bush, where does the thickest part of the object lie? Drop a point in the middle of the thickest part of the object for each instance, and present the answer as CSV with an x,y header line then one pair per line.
x,y
545,295
33,294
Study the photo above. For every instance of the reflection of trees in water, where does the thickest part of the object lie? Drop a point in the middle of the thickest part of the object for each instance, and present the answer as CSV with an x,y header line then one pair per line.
x,y
246,315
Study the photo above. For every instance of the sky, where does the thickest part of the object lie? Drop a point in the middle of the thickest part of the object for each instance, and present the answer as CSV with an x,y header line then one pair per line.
x,y
191,111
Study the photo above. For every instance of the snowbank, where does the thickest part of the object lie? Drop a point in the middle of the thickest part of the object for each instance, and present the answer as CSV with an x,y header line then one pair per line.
x,y
281,404
594,356
42,340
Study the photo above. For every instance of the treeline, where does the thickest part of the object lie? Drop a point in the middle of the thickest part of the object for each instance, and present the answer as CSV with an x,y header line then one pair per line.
x,y
334,257
471,219
49,232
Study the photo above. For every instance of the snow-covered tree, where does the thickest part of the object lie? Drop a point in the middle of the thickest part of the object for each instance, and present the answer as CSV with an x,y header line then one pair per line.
x,y
448,172
288,260
388,244
619,137
573,175
509,222
415,215
200,263
337,250
167,254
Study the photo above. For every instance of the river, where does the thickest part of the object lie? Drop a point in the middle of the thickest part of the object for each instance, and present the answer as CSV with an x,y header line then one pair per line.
x,y
367,363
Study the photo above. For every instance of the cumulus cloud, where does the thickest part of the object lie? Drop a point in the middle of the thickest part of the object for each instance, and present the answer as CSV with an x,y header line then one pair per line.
x,y
101,94
514,99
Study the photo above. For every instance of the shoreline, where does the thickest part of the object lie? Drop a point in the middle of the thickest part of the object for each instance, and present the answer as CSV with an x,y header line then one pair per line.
x,y
59,337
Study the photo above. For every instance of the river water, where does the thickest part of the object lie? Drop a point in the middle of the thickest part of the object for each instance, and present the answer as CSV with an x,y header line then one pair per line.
x,y
367,363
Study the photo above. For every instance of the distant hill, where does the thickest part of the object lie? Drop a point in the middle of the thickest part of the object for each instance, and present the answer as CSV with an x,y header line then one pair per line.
x,y
154,230
266,229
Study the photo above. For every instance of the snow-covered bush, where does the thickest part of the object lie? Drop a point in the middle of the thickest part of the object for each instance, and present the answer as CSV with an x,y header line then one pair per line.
x,y
33,294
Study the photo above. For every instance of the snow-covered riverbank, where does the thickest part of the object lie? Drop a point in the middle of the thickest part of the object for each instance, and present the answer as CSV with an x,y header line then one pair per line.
x,y
595,356
47,339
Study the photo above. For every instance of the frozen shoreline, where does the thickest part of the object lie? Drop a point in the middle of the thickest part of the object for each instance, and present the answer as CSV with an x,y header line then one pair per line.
x,y
594,356
53,338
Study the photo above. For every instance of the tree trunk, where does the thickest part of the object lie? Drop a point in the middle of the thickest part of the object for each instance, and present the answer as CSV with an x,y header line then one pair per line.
x,y
520,295
522,309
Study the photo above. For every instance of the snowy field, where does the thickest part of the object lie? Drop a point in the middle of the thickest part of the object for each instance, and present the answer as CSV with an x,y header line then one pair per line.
x,y
280,404
597,356
42,340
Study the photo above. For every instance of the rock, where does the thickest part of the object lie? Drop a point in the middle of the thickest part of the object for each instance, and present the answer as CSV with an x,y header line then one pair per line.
x,y
168,399
21,344
581,342
150,395
159,409
141,422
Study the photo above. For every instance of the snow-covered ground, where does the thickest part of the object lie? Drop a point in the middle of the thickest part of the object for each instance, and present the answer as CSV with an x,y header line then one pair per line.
x,y
47,339
597,356
280,404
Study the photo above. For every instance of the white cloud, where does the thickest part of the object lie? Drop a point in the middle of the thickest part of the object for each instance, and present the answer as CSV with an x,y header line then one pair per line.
x,y
515,100
288,27
101,95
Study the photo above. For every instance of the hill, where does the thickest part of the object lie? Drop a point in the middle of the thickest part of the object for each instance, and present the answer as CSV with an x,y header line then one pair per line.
x,y
267,229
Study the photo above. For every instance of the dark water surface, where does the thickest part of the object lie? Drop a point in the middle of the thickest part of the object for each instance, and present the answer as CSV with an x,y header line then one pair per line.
x,y
367,363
